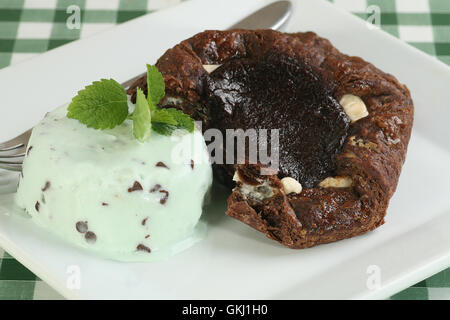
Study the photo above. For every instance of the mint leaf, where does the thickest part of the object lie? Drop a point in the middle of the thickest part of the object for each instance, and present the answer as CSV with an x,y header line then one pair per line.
x,y
142,125
163,128
101,105
173,117
104,105
164,116
165,120
155,86
183,120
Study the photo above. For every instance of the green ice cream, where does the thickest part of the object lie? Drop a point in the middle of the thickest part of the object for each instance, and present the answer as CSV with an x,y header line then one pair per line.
x,y
108,193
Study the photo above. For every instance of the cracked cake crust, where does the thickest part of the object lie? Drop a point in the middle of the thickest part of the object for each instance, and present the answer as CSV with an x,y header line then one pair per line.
x,y
371,158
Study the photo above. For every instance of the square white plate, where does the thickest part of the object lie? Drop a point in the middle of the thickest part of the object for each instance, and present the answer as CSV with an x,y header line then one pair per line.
x,y
235,261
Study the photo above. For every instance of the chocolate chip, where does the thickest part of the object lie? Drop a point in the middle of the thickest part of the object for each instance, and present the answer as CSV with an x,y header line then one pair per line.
x,y
105,204
144,221
141,247
155,188
161,164
29,149
47,185
192,164
163,200
37,205
90,237
147,236
136,187
81,226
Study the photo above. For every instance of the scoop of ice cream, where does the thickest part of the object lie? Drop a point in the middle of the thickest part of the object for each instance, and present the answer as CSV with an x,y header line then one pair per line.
x,y
109,193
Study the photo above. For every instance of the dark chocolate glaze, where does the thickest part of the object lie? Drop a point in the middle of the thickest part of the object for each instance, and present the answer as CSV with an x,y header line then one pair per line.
x,y
278,93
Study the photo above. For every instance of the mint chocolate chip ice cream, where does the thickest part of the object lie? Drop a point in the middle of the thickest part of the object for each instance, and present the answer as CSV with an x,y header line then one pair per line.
x,y
110,194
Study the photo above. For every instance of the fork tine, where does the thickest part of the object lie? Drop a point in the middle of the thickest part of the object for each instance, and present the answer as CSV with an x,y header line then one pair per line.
x,y
12,153
11,167
11,156
17,142
16,161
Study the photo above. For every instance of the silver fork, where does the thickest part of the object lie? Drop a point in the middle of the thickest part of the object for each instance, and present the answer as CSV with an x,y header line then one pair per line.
x,y
273,16
13,152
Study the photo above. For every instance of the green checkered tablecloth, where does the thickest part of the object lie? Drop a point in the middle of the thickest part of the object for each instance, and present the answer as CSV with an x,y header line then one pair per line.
x,y
30,27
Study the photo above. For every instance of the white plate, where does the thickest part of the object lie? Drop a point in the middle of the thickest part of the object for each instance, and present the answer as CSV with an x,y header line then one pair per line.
x,y
235,261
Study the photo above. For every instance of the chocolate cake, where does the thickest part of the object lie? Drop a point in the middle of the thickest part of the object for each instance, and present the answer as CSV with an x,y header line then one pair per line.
x,y
344,128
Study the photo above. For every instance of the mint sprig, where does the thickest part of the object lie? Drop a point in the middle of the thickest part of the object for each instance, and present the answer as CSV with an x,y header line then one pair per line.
x,y
142,125
103,105
155,86
163,128
164,116
183,120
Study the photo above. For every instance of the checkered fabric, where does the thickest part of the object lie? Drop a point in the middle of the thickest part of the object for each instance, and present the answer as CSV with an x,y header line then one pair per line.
x,y
30,27
425,24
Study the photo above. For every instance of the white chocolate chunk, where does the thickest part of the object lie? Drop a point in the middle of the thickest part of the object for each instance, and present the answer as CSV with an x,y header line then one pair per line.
x,y
336,182
290,185
258,192
210,67
354,107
